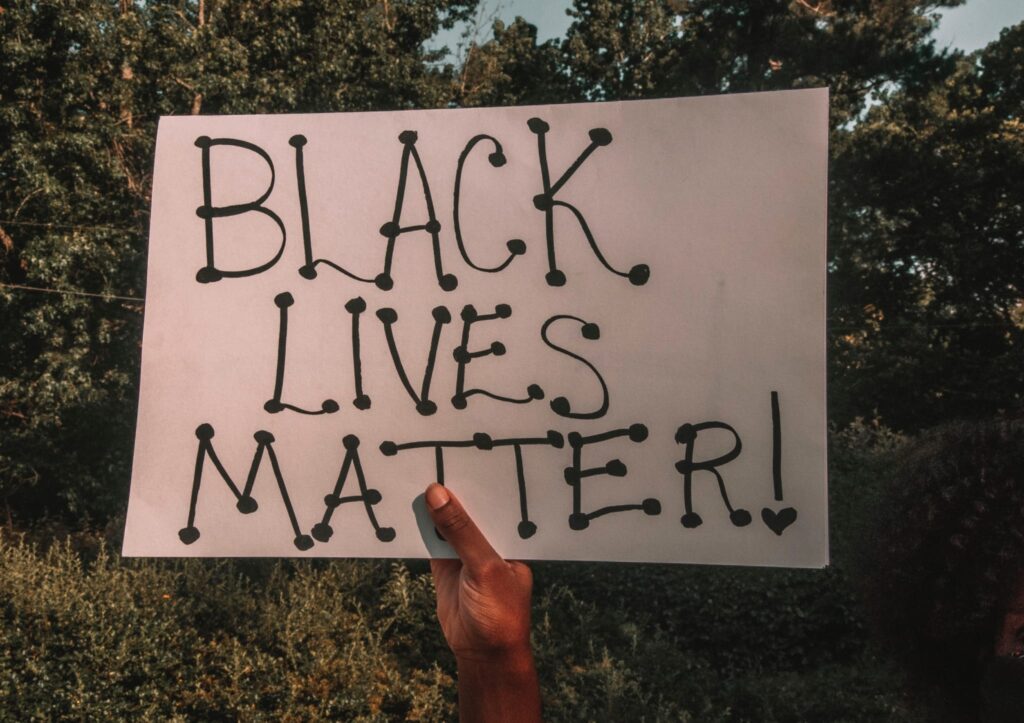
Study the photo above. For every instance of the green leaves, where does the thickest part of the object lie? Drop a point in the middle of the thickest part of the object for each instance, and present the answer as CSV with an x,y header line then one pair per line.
x,y
82,85
648,48
927,241
925,204
89,635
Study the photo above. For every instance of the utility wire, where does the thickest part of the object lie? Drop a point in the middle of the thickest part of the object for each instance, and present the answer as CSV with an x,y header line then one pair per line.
x,y
70,292
933,325
111,297
831,329
71,226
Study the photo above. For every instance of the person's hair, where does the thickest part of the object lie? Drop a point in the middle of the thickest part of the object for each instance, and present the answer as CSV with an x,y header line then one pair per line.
x,y
949,556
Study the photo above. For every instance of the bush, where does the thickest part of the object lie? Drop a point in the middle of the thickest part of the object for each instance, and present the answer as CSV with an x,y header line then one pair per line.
x,y
113,639
356,640
88,635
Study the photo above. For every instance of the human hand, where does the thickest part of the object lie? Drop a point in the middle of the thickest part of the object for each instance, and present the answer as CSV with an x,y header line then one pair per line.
x,y
483,605
483,601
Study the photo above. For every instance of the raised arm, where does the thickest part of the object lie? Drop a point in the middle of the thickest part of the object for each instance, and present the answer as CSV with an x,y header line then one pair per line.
x,y
483,605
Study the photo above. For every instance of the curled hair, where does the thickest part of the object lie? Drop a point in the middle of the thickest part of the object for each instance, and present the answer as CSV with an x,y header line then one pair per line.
x,y
949,555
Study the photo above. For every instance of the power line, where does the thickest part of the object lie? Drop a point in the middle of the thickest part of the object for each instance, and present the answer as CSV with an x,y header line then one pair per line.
x,y
71,226
831,329
933,325
71,292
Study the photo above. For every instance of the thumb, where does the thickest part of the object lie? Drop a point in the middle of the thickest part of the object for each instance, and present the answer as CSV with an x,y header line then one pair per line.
x,y
452,521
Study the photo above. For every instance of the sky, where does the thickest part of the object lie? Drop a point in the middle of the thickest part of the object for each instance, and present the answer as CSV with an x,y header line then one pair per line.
x,y
968,27
977,23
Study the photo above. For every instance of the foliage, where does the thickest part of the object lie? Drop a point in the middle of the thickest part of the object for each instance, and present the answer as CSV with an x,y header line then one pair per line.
x,y
925,219
106,639
651,48
925,301
94,637
82,85
927,249
511,69
88,635
926,222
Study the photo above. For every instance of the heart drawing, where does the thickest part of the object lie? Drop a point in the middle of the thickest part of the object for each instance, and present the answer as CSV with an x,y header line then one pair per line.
x,y
778,521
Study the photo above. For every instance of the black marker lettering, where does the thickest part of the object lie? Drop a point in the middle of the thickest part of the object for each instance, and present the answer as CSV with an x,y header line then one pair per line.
x,y
323,531
546,202
390,449
393,228
575,474
687,436
246,504
561,405
777,522
497,159
208,211
527,527
441,317
308,270
275,405
464,356
356,307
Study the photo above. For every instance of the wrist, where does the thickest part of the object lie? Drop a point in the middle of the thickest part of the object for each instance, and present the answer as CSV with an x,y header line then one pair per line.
x,y
513,659
499,687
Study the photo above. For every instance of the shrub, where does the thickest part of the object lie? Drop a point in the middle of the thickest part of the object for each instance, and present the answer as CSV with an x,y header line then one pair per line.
x,y
88,635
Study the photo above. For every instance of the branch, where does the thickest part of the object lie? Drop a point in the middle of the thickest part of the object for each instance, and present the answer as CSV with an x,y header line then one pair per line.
x,y
817,9
6,240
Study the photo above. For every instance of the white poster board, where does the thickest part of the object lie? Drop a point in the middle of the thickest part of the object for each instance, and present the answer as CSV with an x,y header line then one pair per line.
x,y
601,325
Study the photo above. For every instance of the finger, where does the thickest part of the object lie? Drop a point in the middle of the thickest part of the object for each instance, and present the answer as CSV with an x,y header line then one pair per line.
x,y
459,530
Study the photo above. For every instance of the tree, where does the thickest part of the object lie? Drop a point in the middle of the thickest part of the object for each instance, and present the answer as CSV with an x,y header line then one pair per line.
x,y
82,84
652,48
925,224
928,247
925,210
512,68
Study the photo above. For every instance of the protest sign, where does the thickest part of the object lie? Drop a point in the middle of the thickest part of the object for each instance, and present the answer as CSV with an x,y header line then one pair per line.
x,y
602,325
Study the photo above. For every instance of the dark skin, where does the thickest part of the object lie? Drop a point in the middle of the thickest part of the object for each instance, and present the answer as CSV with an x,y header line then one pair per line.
x,y
483,605
1010,636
